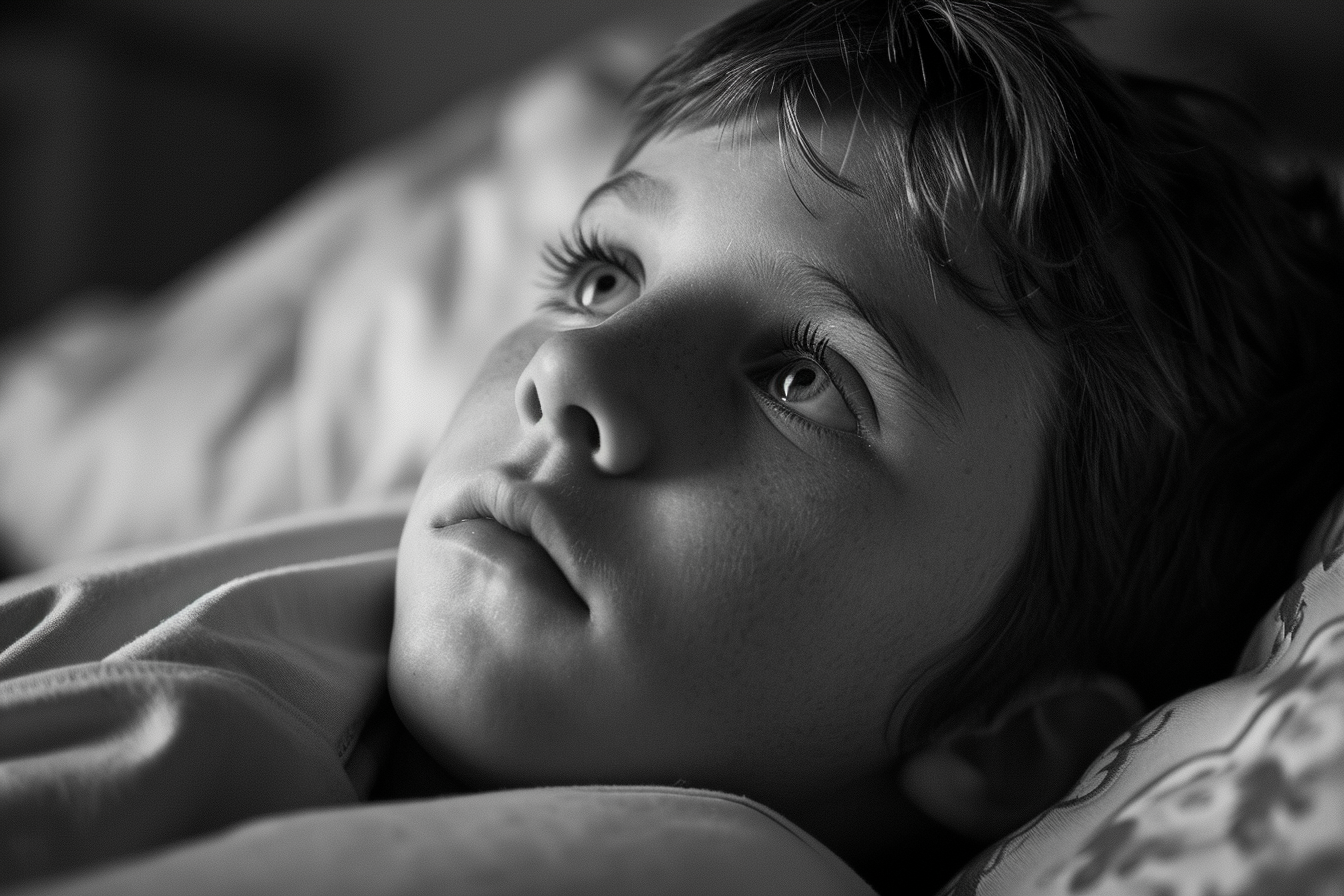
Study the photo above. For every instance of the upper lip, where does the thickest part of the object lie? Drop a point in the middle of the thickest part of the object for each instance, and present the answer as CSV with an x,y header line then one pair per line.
x,y
515,505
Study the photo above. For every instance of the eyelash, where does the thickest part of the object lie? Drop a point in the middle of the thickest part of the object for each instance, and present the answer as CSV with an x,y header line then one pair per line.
x,y
566,259
805,340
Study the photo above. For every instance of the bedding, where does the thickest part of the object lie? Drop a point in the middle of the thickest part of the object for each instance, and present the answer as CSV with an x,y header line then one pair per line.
x,y
317,361
655,841
162,696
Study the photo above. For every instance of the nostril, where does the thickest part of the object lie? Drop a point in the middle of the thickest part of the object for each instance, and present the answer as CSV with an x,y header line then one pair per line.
x,y
582,424
529,402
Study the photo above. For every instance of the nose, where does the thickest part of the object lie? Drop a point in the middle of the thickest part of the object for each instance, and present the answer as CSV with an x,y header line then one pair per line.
x,y
574,387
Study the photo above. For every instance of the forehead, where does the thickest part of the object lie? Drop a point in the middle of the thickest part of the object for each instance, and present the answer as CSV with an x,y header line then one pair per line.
x,y
744,170
752,177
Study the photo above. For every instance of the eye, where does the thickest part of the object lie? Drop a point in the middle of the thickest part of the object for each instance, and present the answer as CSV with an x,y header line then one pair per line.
x,y
804,387
589,276
603,287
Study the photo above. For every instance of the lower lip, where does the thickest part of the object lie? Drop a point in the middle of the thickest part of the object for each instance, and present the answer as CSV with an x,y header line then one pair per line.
x,y
501,559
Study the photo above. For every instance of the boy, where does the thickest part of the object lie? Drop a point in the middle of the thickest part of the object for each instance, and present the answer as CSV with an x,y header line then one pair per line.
x,y
910,377
900,409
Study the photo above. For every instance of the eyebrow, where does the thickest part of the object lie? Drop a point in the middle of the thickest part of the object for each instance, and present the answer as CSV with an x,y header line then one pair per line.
x,y
912,352
640,191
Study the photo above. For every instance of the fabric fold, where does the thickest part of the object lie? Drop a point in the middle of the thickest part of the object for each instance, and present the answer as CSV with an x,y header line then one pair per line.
x,y
164,697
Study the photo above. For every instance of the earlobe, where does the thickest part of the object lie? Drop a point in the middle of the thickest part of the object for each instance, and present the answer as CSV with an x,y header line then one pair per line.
x,y
986,780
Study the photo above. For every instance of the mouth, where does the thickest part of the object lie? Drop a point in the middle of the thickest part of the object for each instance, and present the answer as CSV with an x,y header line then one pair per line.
x,y
496,502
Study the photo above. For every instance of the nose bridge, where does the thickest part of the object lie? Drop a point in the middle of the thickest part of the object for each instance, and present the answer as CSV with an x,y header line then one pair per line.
x,y
582,387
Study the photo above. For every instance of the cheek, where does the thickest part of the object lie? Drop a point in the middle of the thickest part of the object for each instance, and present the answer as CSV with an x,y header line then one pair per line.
x,y
765,581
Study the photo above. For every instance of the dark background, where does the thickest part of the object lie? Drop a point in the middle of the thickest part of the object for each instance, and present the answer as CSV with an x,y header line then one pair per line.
x,y
138,135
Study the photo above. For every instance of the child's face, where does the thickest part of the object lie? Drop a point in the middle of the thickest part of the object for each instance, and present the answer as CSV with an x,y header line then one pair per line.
x,y
664,538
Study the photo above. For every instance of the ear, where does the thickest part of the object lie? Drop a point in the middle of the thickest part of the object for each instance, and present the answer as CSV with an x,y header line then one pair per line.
x,y
985,781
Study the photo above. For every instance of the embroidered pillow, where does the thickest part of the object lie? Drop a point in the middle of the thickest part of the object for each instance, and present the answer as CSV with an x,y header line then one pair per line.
x,y
1236,788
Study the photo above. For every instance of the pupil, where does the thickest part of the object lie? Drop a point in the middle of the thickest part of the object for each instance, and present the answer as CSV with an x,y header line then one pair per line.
x,y
798,380
594,287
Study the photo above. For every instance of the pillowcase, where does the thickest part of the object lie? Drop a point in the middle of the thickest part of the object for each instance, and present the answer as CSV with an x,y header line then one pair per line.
x,y
1236,788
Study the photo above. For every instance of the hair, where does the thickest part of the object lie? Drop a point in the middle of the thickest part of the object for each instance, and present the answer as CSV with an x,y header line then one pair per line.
x,y
1191,298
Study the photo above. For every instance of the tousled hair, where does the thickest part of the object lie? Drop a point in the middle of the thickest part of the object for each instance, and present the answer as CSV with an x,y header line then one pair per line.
x,y
1192,297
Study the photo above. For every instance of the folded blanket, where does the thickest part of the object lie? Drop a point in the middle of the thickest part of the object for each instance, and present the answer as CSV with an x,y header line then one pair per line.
x,y
166,695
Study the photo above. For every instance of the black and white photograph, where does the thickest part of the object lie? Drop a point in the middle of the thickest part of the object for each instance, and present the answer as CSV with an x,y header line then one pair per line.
x,y
818,447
